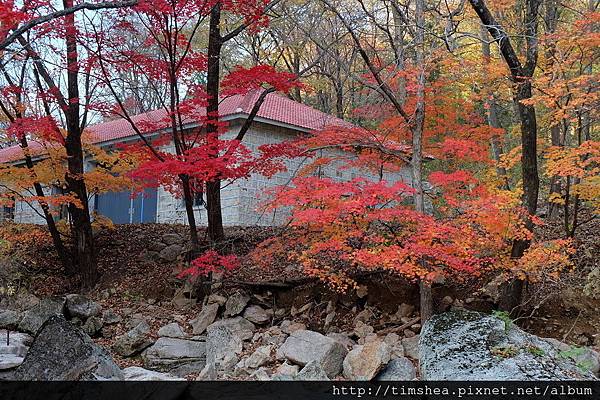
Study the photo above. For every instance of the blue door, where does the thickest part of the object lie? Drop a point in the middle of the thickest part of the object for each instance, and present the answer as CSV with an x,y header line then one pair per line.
x,y
144,207
122,208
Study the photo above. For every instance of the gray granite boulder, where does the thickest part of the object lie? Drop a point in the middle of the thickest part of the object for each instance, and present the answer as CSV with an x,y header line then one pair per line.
x,y
470,346
35,317
304,346
62,352
176,356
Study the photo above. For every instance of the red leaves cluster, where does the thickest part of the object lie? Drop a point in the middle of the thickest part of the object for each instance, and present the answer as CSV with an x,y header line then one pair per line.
x,y
211,262
243,80
42,129
212,158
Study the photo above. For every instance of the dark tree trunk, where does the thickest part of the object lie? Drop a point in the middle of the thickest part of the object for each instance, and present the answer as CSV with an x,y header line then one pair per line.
x,y
531,182
213,189
80,215
521,74
188,199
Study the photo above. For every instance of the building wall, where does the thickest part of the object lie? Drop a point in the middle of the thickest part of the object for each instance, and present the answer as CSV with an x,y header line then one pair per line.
x,y
31,212
243,201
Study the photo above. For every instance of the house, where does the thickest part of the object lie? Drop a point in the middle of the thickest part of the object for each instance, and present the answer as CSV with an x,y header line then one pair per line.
x,y
279,119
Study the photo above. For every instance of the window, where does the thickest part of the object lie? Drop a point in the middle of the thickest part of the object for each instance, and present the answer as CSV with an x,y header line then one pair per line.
x,y
8,213
198,198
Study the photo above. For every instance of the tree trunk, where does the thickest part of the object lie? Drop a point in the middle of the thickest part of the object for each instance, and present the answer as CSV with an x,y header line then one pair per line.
x,y
188,199
213,189
520,74
82,228
492,116
426,303
551,20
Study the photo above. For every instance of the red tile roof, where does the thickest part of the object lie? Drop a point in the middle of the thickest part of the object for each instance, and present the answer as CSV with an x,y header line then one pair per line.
x,y
276,108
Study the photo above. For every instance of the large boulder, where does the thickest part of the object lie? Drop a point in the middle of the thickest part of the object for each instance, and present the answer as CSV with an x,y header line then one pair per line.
x,y
35,317
466,345
364,362
236,303
224,342
304,346
133,341
62,352
78,306
176,356
206,317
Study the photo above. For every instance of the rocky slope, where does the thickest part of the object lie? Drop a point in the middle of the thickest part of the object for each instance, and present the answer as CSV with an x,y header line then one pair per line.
x,y
239,338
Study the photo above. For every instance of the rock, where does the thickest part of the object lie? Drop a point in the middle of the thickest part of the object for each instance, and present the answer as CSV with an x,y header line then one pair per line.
x,y
466,345
369,338
492,290
35,317
364,316
134,341
362,330
13,353
93,326
304,346
286,369
584,357
362,291
10,361
446,302
330,307
260,374
399,369
290,327
142,374
135,320
343,339
216,298
238,326
257,315
224,342
109,317
411,347
177,356
260,357
313,371
329,318
173,330
205,318
25,301
10,319
364,362
391,338
60,351
16,339
171,253
172,238
408,333
273,335
78,306
405,310
236,303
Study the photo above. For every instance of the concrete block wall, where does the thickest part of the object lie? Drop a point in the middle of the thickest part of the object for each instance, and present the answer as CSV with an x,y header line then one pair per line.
x,y
244,200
